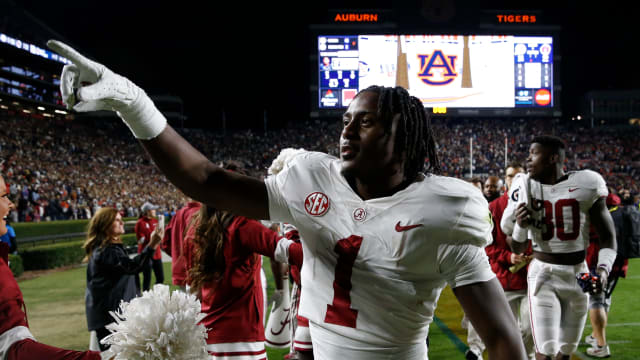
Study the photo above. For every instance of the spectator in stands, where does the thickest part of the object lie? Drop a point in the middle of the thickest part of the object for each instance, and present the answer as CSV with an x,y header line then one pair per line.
x,y
110,272
145,226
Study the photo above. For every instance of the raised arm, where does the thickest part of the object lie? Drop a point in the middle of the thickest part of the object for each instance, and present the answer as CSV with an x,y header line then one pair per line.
x,y
87,85
485,305
190,171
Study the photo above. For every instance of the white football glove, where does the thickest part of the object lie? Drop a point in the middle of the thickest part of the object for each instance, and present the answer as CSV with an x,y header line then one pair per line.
x,y
106,90
277,298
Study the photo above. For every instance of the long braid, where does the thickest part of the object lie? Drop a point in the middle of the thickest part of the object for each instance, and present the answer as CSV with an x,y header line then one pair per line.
x,y
414,135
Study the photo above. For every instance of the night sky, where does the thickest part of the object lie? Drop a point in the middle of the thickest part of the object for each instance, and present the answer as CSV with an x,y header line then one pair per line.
x,y
246,58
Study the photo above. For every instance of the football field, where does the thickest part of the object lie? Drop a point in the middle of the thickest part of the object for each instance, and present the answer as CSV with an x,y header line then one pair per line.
x,y
55,307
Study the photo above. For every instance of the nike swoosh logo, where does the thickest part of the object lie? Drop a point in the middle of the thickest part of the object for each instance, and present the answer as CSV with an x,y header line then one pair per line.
x,y
400,228
574,189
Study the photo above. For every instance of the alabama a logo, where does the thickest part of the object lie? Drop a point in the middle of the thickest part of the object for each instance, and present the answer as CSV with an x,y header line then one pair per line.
x,y
437,68
316,204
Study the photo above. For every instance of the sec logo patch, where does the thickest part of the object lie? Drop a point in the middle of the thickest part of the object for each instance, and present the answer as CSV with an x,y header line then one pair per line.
x,y
316,204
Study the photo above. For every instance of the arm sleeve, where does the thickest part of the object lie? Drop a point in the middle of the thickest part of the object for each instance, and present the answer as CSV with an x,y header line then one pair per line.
x,y
165,245
601,187
463,260
294,171
118,262
498,255
278,207
473,224
509,215
464,264
255,237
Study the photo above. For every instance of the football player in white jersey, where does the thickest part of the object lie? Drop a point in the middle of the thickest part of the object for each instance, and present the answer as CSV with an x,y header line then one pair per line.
x,y
381,238
554,209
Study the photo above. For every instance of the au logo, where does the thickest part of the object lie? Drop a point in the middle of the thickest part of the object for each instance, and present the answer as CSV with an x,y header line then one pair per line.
x,y
437,68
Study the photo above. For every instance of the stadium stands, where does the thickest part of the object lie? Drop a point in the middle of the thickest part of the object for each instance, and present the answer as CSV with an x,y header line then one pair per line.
x,y
67,169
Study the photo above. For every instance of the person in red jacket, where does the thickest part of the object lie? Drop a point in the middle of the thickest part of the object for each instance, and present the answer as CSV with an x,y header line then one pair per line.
x,y
143,229
223,257
509,267
173,241
16,341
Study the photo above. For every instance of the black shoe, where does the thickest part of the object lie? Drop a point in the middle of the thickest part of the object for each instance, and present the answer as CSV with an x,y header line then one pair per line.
x,y
470,355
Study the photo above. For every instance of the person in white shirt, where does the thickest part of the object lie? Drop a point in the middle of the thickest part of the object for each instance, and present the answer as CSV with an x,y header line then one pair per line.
x,y
554,210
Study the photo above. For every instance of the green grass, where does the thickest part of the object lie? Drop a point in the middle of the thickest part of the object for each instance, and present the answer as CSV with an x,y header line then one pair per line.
x,y
55,305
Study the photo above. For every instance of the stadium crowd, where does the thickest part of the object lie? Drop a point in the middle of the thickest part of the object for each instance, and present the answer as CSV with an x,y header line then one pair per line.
x,y
69,169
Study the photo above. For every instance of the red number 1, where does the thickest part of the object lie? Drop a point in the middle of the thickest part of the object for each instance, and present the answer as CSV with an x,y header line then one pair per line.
x,y
340,312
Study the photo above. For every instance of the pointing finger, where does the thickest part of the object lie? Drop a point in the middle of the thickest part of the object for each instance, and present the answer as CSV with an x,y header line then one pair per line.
x,y
67,51
93,68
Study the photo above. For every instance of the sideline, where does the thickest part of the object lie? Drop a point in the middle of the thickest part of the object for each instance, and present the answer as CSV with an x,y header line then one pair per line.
x,y
454,339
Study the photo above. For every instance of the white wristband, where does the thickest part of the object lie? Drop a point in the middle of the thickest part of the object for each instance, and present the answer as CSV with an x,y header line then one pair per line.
x,y
606,258
281,252
519,233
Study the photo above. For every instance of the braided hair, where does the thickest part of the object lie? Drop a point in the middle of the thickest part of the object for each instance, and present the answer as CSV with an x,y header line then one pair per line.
x,y
414,134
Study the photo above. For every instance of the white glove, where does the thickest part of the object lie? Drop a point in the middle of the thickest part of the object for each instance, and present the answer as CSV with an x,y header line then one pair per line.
x,y
107,91
277,299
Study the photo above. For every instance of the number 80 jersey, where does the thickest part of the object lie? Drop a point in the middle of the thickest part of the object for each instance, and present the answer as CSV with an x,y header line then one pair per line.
x,y
560,211
373,270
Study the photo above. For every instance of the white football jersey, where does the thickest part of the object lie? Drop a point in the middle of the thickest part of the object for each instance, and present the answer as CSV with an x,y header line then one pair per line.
x,y
373,270
561,222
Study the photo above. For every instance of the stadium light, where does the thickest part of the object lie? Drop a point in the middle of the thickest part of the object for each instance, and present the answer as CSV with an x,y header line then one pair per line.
x,y
60,112
41,108
5,107
26,111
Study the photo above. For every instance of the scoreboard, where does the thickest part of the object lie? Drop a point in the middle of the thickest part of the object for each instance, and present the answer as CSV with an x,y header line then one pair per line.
x,y
443,71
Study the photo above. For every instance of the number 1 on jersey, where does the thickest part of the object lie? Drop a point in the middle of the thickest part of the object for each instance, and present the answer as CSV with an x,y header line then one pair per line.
x,y
340,312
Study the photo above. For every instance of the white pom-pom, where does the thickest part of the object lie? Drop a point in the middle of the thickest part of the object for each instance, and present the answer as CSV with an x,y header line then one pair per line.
x,y
283,159
158,325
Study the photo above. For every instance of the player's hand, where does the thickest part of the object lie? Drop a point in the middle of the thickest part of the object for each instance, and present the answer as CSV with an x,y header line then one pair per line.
x,y
517,258
156,237
523,215
87,85
277,298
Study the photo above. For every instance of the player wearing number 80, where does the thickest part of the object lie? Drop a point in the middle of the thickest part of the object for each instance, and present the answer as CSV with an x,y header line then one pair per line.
x,y
554,210
380,238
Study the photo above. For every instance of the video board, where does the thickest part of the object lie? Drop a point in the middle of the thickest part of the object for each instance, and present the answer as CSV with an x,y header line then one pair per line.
x,y
453,71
